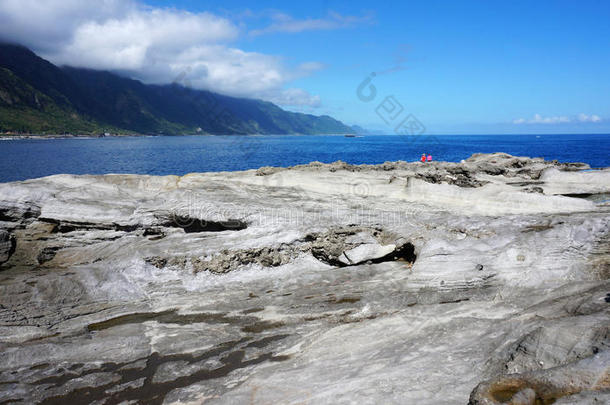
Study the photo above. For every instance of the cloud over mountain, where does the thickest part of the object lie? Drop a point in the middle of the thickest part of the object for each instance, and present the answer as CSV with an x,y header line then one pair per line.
x,y
156,45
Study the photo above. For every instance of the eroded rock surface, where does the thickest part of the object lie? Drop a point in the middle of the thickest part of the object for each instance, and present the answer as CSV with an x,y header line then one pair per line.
x,y
484,281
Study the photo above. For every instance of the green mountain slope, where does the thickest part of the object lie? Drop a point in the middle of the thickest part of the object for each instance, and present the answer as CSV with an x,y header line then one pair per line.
x,y
37,96
25,109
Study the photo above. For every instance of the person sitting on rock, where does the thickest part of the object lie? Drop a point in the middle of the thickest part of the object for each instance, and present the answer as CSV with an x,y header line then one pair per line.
x,y
423,158
429,158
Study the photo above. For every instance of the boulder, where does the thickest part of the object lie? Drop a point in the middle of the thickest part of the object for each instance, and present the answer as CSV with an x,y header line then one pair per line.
x,y
366,252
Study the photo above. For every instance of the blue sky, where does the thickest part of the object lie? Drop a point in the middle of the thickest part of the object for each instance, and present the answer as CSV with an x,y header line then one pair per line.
x,y
458,67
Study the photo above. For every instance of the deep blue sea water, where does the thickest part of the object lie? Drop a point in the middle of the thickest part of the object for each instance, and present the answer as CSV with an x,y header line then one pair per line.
x,y
31,158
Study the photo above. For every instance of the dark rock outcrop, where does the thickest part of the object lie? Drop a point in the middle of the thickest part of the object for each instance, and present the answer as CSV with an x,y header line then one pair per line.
x,y
8,244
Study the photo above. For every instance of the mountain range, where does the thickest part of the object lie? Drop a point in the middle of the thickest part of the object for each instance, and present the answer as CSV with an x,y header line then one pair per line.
x,y
39,97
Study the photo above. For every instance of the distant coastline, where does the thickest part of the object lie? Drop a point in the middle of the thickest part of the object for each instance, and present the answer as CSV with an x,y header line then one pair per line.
x,y
10,136
64,136
7,136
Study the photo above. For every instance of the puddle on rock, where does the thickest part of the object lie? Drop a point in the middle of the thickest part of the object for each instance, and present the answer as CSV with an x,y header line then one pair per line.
x,y
170,316
230,354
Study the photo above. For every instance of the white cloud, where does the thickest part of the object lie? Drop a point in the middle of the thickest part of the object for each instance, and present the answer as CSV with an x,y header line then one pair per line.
x,y
48,24
295,97
284,23
228,70
588,118
134,40
156,45
538,119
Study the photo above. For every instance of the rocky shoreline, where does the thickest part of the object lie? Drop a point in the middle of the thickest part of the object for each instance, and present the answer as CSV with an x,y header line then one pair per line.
x,y
480,282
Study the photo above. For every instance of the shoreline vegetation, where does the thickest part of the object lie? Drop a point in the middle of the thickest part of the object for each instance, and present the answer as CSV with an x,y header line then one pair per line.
x,y
9,136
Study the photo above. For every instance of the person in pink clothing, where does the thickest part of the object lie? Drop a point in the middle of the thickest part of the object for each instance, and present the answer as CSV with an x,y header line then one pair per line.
x,y
429,158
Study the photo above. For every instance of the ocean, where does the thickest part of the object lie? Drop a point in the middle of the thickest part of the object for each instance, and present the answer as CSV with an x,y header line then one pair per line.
x,y
161,155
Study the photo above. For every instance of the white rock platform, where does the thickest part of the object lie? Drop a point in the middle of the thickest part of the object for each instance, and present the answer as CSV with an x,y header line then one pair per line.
x,y
481,282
